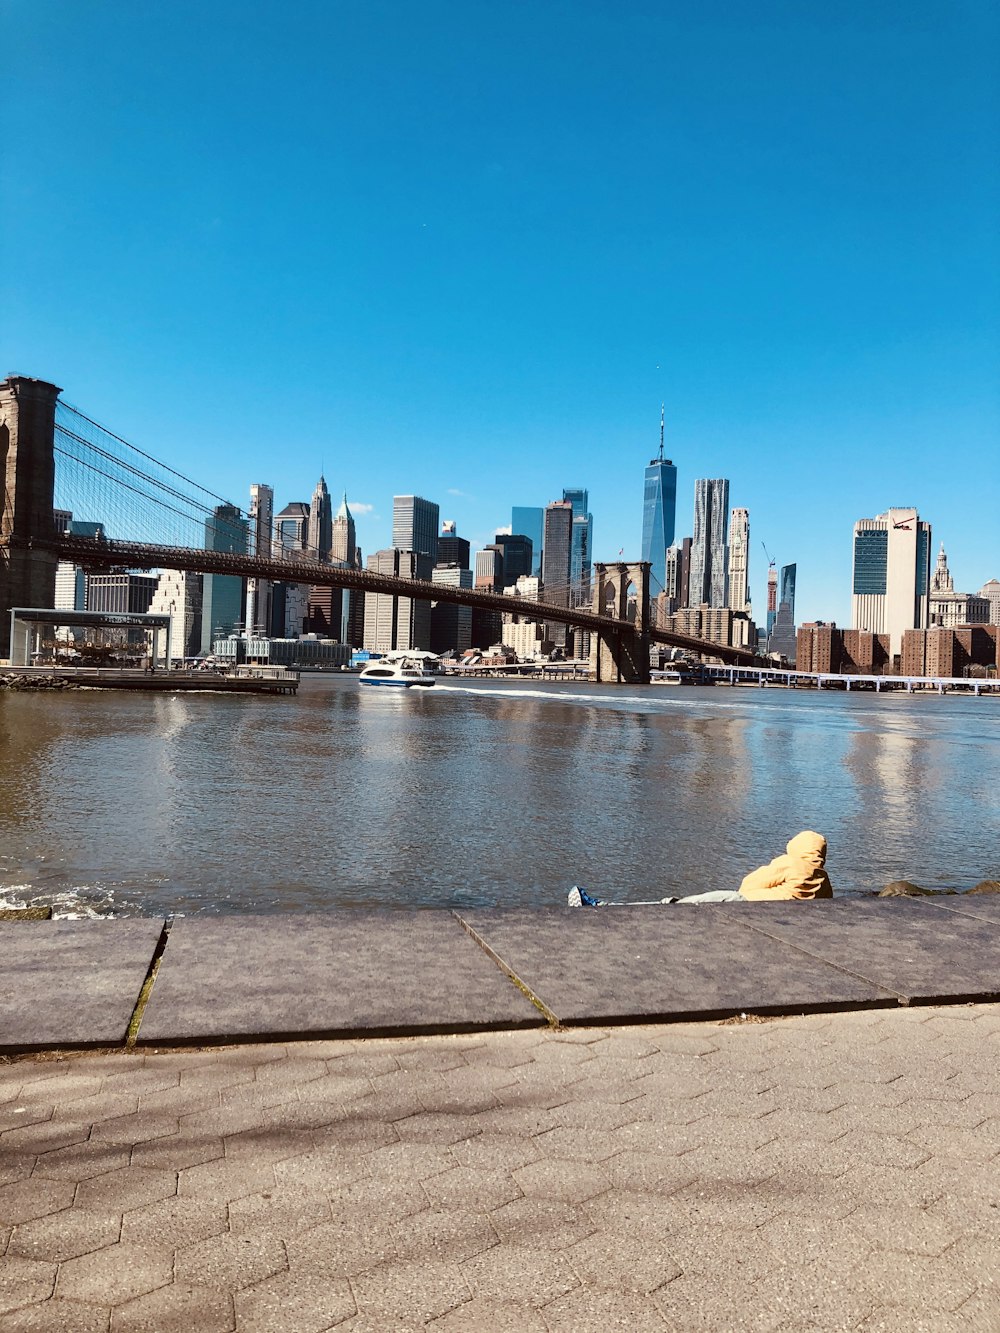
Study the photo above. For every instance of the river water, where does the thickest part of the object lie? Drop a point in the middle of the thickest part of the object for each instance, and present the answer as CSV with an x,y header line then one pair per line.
x,y
480,792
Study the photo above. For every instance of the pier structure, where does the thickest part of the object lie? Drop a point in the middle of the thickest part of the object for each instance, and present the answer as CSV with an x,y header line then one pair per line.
x,y
826,680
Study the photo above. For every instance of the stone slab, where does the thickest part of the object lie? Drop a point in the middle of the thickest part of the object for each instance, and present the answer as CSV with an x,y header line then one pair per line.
x,y
986,906
72,983
640,964
343,973
907,945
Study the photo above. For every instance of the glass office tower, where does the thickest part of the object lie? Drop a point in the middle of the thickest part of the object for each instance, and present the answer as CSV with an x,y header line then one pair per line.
x,y
528,521
659,514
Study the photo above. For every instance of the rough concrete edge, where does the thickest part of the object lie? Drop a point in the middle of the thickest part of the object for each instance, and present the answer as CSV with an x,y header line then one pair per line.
x,y
899,997
343,1033
954,904
203,1040
127,1042
551,1018
789,1010
146,989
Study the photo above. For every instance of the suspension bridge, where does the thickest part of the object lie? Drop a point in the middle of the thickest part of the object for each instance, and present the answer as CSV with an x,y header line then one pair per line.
x,y
146,515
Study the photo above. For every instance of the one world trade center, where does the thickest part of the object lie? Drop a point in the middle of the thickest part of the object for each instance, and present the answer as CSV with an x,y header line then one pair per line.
x,y
659,511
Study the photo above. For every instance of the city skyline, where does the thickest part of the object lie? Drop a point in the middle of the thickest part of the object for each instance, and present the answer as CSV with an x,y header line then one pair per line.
x,y
755,214
711,501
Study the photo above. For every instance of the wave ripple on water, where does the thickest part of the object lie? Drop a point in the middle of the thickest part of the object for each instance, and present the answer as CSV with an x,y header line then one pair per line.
x,y
80,904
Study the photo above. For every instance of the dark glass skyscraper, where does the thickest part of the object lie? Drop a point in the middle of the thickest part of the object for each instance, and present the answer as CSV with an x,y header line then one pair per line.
x,y
517,556
581,543
222,602
557,541
526,521
787,594
659,513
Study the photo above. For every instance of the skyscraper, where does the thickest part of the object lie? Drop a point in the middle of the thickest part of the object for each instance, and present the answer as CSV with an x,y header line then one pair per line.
x,y
343,538
320,522
786,596
392,621
739,560
659,512
557,542
415,525
891,574
581,545
291,530
222,596
709,554
259,591
453,549
781,639
675,584
179,596
518,557
451,624
772,599
526,521
489,569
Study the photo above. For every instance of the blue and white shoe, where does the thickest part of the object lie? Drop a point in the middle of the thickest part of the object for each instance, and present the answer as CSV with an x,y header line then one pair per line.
x,y
578,897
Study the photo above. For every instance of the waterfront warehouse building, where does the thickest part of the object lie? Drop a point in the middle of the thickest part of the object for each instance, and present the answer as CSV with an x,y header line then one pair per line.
x,y
891,575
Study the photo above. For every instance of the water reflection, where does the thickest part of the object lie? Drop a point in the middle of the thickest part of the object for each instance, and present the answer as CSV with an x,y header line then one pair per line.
x,y
483,793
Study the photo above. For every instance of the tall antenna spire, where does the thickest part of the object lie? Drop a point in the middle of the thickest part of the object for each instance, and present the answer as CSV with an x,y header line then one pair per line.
x,y
661,432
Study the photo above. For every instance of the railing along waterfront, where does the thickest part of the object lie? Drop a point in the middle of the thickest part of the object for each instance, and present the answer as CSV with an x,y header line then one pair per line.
x,y
735,675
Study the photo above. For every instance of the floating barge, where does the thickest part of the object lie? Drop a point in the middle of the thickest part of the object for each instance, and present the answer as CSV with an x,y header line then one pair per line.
x,y
244,680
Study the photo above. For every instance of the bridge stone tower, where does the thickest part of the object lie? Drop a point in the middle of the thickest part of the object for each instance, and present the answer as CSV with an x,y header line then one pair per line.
x,y
622,654
27,469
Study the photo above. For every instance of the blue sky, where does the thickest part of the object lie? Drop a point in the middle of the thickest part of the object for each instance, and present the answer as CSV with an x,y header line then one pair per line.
x,y
465,250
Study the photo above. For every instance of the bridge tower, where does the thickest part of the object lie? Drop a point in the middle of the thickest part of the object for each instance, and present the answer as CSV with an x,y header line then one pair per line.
x,y
622,654
27,470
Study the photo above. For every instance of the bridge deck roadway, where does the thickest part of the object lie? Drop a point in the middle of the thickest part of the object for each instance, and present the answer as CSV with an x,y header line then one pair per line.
x,y
825,1171
94,553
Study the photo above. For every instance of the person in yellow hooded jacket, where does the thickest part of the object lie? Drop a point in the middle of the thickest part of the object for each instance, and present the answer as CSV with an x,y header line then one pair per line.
x,y
799,874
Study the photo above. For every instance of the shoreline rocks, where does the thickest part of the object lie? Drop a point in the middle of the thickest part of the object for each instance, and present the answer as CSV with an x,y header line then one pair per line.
x,y
19,682
904,888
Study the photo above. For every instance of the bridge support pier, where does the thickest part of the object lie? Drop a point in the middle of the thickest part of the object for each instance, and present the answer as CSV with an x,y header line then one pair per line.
x,y
621,655
27,477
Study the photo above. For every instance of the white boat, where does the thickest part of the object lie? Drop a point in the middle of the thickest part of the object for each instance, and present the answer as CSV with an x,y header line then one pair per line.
x,y
403,669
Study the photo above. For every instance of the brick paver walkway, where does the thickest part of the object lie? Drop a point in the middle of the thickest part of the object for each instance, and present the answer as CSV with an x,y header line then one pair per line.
x,y
834,1172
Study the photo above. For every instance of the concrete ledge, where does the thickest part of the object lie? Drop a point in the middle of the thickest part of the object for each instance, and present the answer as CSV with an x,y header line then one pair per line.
x,y
71,983
349,973
906,945
658,964
342,973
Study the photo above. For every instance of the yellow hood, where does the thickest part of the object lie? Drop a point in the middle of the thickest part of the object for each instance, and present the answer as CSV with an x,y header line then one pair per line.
x,y
808,846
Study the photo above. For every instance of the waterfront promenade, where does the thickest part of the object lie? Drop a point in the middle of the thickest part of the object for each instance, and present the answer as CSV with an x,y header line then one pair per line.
x,y
578,1158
